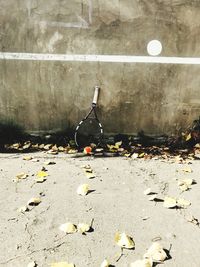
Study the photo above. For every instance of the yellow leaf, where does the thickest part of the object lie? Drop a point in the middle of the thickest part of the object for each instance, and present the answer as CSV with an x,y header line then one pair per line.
x,y
42,174
68,228
83,189
141,155
188,137
27,158
118,144
62,264
124,241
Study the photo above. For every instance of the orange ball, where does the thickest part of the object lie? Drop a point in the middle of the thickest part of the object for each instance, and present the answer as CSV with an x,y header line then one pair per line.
x,y
87,150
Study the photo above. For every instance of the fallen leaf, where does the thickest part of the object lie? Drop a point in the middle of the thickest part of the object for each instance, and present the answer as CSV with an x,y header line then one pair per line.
x,y
34,201
135,156
35,160
83,189
185,184
83,228
156,253
62,264
32,264
61,148
90,175
124,241
46,147
68,228
193,220
142,263
42,174
169,202
23,209
72,151
182,203
49,162
54,148
105,263
141,155
27,158
188,137
21,175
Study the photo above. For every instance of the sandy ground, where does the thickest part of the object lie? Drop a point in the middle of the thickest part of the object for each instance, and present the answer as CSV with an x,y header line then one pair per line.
x,y
117,204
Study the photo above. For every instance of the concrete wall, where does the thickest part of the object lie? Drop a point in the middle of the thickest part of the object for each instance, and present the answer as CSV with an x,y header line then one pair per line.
x,y
43,96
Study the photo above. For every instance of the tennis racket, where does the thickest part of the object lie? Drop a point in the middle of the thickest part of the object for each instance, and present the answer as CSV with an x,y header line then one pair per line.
x,y
89,130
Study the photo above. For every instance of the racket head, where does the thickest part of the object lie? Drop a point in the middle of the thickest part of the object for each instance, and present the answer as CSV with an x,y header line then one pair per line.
x,y
88,131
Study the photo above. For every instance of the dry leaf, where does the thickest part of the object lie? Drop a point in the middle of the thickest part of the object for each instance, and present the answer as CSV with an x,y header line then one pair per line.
x,y
21,175
83,227
72,151
185,184
90,175
46,147
156,253
169,202
23,209
188,137
68,228
142,263
124,241
49,162
27,158
62,264
135,156
32,264
105,263
182,203
61,148
34,201
42,174
83,189
193,220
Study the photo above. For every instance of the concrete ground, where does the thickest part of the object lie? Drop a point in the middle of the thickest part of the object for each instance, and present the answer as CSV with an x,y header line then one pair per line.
x,y
117,204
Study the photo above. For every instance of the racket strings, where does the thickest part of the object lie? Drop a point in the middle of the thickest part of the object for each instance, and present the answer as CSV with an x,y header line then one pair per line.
x,y
89,131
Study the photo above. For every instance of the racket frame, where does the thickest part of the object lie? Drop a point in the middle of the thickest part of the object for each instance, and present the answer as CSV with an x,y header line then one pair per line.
x,y
92,109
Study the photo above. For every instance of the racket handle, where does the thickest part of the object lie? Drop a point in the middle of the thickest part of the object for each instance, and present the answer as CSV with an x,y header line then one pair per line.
x,y
96,94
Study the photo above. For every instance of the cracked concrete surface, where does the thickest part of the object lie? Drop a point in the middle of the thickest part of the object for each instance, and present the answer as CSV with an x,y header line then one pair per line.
x,y
117,204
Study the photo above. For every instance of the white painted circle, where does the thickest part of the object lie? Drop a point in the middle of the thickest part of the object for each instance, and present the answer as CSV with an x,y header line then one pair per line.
x,y
154,48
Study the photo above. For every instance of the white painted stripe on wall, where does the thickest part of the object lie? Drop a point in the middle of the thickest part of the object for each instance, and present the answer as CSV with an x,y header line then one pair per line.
x,y
100,58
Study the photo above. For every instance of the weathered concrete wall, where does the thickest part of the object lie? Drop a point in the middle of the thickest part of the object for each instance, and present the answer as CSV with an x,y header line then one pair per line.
x,y
43,96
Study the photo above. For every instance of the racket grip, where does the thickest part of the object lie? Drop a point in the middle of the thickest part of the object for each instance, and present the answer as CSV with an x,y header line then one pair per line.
x,y
96,94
